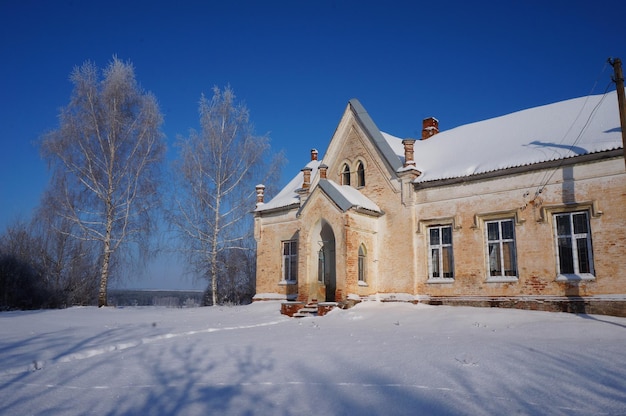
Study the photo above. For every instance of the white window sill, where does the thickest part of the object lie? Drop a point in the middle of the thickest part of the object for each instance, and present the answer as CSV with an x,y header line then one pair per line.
x,y
288,282
575,277
440,280
363,284
502,279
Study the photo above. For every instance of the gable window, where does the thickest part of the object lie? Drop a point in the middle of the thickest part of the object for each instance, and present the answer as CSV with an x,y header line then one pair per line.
x,y
290,261
362,265
345,175
501,258
440,259
573,240
360,175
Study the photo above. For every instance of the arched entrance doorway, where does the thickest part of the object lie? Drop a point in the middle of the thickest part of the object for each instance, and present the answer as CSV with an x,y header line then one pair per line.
x,y
326,269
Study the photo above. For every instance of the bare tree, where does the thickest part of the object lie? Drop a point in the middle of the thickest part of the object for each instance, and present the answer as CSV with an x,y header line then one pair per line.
x,y
105,158
22,285
70,264
41,266
216,174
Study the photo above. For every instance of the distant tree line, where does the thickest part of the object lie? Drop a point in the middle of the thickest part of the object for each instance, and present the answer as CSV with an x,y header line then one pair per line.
x,y
107,188
167,298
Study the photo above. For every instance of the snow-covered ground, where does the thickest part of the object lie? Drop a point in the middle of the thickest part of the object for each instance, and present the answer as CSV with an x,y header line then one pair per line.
x,y
374,359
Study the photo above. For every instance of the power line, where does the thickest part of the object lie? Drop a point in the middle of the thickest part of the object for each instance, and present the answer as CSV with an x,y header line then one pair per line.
x,y
548,174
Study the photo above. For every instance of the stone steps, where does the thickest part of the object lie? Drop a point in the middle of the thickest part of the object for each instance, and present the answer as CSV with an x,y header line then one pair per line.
x,y
310,309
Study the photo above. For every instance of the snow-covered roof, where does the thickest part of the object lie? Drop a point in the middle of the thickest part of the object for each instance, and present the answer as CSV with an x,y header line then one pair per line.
x,y
347,197
551,132
288,195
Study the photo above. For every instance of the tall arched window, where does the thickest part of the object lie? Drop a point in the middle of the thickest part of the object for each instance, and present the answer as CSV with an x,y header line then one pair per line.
x,y
360,174
362,264
345,175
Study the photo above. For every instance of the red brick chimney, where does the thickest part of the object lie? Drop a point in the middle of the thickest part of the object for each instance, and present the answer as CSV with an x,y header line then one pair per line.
x,y
323,171
306,183
408,152
430,127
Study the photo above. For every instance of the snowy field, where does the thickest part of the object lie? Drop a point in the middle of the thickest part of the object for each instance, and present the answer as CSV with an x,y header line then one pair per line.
x,y
374,359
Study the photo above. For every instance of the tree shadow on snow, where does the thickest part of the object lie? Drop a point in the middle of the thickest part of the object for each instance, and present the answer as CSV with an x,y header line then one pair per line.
x,y
198,379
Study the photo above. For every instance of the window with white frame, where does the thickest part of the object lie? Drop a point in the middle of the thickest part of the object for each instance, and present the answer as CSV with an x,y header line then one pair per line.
x,y
573,241
290,261
502,259
441,264
362,265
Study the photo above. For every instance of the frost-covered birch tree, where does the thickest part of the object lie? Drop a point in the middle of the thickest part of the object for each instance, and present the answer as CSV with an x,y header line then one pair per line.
x,y
105,158
216,174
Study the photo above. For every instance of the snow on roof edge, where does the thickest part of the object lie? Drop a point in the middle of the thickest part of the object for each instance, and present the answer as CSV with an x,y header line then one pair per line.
x,y
557,131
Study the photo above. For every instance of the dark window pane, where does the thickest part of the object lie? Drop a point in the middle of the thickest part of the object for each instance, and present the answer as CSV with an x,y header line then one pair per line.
x,y
562,225
434,236
580,223
361,175
566,257
362,268
346,175
294,268
320,266
493,233
507,230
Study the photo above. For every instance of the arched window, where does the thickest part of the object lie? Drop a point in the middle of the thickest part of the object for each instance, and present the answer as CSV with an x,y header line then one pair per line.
x,y
362,264
345,175
360,175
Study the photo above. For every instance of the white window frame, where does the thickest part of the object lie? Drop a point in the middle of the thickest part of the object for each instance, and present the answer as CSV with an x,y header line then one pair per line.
x,y
289,251
575,239
500,242
439,248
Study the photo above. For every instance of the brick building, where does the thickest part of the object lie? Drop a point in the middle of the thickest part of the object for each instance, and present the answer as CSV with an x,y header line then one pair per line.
x,y
524,210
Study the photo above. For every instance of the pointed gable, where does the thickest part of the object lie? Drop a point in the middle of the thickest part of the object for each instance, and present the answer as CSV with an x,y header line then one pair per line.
x,y
385,149
389,151
381,141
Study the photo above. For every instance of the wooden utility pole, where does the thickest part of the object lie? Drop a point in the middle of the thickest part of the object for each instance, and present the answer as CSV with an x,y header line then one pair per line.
x,y
618,78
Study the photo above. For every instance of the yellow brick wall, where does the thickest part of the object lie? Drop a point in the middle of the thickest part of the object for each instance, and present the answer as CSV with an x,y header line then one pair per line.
x,y
270,231
597,187
397,245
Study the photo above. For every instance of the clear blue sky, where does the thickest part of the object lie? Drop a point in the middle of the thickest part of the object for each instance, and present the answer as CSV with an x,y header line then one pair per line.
x,y
297,63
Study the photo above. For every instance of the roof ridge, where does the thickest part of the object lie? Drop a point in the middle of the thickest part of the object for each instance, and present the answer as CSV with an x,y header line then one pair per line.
x,y
393,161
